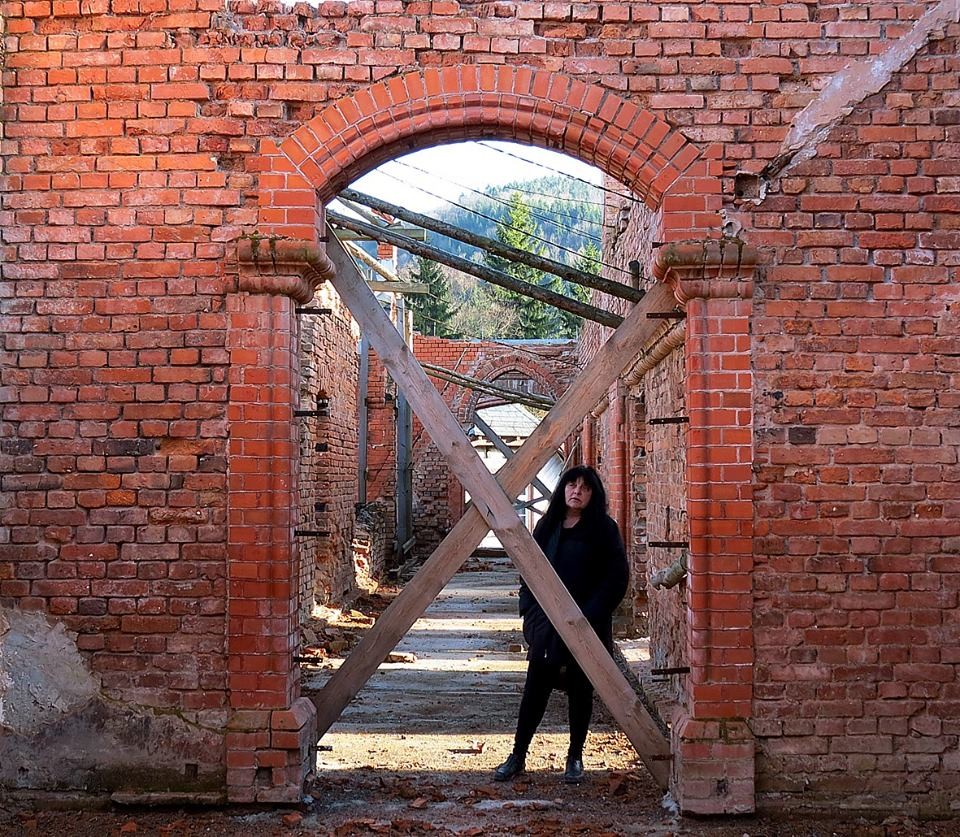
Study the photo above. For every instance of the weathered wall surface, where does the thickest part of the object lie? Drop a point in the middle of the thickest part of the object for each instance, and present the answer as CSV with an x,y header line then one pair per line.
x,y
665,446
52,703
328,452
857,327
131,134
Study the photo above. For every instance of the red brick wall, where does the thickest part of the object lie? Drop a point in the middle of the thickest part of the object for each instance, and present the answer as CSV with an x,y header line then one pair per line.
x,y
135,153
666,518
382,443
329,365
857,484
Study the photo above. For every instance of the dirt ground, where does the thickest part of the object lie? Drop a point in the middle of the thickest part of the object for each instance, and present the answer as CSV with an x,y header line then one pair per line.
x,y
414,753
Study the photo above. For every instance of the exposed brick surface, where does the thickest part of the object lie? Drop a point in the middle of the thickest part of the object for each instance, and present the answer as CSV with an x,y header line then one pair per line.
x,y
666,517
149,459
857,474
328,451
438,497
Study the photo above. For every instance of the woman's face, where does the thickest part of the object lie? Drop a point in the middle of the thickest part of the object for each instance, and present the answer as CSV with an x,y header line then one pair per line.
x,y
577,494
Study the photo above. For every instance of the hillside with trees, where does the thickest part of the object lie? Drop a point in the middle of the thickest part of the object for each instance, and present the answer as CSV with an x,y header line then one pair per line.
x,y
553,216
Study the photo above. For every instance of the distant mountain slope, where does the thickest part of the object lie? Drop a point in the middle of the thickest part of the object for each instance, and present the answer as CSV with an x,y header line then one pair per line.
x,y
568,213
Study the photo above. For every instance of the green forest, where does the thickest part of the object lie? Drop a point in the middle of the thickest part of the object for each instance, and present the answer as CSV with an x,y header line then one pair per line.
x,y
556,217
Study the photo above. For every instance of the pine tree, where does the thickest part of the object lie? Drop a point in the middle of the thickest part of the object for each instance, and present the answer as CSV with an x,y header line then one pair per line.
x,y
588,261
434,310
518,230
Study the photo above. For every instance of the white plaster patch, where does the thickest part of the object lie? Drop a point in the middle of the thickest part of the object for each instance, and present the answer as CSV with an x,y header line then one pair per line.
x,y
854,83
42,673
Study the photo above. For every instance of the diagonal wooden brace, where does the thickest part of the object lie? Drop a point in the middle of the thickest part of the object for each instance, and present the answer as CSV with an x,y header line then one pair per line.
x,y
495,506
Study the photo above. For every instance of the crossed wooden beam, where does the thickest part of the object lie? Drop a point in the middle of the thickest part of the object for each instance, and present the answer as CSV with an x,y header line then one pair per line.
x,y
492,508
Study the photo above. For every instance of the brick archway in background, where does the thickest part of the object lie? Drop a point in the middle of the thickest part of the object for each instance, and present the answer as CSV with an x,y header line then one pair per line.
x,y
713,751
490,369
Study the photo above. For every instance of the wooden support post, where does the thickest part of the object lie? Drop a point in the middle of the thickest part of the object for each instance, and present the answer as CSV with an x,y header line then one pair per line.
x,y
492,508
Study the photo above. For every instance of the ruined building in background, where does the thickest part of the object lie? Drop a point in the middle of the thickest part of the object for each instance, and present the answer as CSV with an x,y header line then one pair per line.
x,y
790,170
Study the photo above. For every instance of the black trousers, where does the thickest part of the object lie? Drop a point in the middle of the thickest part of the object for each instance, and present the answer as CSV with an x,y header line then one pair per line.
x,y
542,679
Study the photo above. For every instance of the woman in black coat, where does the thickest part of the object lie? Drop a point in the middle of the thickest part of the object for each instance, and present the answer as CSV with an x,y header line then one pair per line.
x,y
584,546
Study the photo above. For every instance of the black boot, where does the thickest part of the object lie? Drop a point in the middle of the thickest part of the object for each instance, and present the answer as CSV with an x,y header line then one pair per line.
x,y
513,766
573,775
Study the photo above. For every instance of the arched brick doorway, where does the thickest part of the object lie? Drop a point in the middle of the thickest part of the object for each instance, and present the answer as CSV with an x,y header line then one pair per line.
x,y
492,368
281,263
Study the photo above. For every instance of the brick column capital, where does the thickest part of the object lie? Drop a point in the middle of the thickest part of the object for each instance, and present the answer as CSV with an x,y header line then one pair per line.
x,y
707,269
282,266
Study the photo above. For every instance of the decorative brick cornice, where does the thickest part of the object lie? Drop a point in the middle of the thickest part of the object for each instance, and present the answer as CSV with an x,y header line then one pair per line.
x,y
714,268
272,265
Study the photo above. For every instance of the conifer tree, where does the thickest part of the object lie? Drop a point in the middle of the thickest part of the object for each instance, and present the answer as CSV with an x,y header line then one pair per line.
x,y
434,310
588,261
518,230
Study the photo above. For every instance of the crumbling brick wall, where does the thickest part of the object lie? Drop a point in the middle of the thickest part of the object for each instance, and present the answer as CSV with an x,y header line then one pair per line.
x,y
328,452
857,574
666,518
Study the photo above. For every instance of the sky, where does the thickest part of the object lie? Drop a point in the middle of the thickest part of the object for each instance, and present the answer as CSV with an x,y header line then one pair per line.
x,y
445,170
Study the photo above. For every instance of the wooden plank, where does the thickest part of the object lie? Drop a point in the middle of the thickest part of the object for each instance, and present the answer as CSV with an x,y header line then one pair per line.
x,y
415,233
362,256
508,453
399,287
409,605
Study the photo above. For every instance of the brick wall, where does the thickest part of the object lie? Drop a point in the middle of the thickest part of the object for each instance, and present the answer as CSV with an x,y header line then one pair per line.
x,y
328,452
857,484
666,519
381,474
139,144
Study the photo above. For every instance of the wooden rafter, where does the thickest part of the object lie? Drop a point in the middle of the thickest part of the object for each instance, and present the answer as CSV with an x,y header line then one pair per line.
x,y
492,507
488,274
353,198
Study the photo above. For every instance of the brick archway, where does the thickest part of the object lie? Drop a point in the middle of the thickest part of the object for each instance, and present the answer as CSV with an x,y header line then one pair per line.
x,y
283,263
489,369
356,134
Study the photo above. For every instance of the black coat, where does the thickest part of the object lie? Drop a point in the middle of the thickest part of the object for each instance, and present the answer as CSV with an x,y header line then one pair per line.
x,y
592,564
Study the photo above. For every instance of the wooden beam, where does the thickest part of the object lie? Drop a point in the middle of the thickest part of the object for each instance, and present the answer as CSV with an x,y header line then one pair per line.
x,y
538,402
414,233
362,211
498,248
399,287
362,255
467,533
508,452
488,274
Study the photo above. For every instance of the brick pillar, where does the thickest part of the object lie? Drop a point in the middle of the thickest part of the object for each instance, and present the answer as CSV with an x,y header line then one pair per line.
x,y
712,744
272,730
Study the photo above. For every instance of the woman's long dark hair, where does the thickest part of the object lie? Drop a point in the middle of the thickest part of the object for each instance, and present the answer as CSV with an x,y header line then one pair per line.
x,y
595,511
